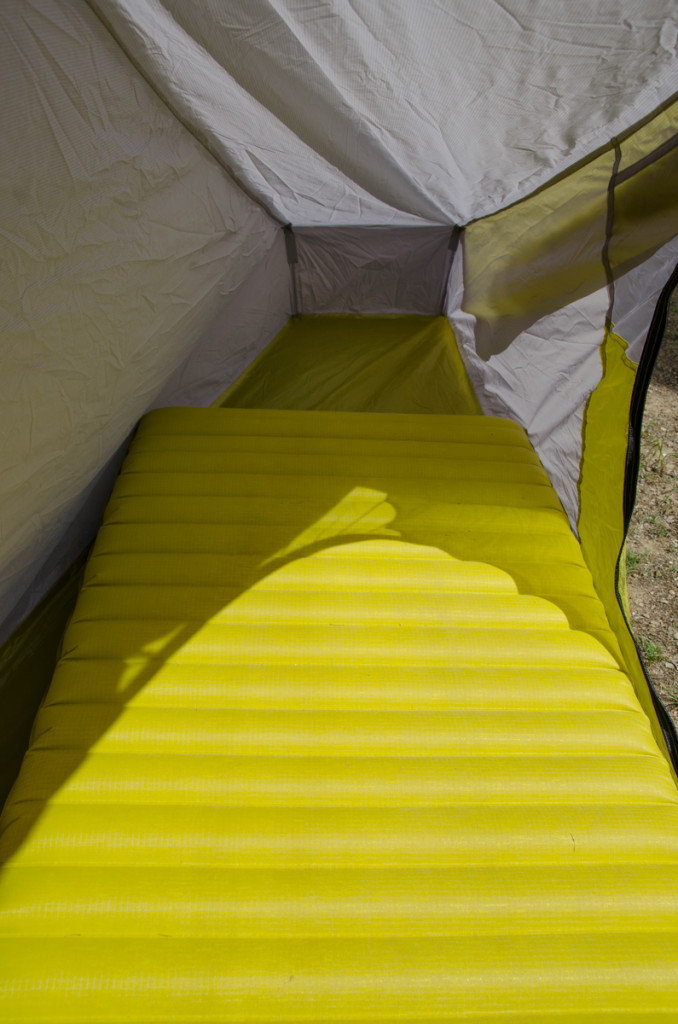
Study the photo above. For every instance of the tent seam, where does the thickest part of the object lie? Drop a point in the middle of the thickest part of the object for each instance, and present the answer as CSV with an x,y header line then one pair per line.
x,y
647,161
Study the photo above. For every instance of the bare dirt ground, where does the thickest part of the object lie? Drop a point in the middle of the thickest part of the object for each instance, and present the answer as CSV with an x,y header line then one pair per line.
x,y
652,543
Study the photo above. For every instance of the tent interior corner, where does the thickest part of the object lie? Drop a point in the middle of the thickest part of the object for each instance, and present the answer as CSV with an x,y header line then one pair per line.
x,y
341,317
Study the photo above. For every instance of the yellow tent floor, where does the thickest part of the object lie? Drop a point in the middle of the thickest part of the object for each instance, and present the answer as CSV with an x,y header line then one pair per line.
x,y
339,734
353,363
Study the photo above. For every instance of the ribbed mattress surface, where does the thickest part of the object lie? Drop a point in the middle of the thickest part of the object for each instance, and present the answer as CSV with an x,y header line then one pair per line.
x,y
339,734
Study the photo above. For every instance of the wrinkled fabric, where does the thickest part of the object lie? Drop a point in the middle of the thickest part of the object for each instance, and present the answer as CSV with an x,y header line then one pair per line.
x,y
378,112
121,239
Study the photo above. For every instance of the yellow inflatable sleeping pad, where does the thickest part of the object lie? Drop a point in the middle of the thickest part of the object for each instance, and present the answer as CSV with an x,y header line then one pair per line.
x,y
339,734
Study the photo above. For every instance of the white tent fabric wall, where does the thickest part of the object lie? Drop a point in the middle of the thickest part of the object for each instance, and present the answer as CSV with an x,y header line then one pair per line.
x,y
377,270
252,315
542,379
122,238
544,376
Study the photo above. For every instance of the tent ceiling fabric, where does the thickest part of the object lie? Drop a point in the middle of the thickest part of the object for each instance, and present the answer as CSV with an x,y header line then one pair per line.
x,y
382,112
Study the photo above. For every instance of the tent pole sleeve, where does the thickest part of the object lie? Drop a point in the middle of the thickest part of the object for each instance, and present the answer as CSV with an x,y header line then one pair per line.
x,y
647,161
